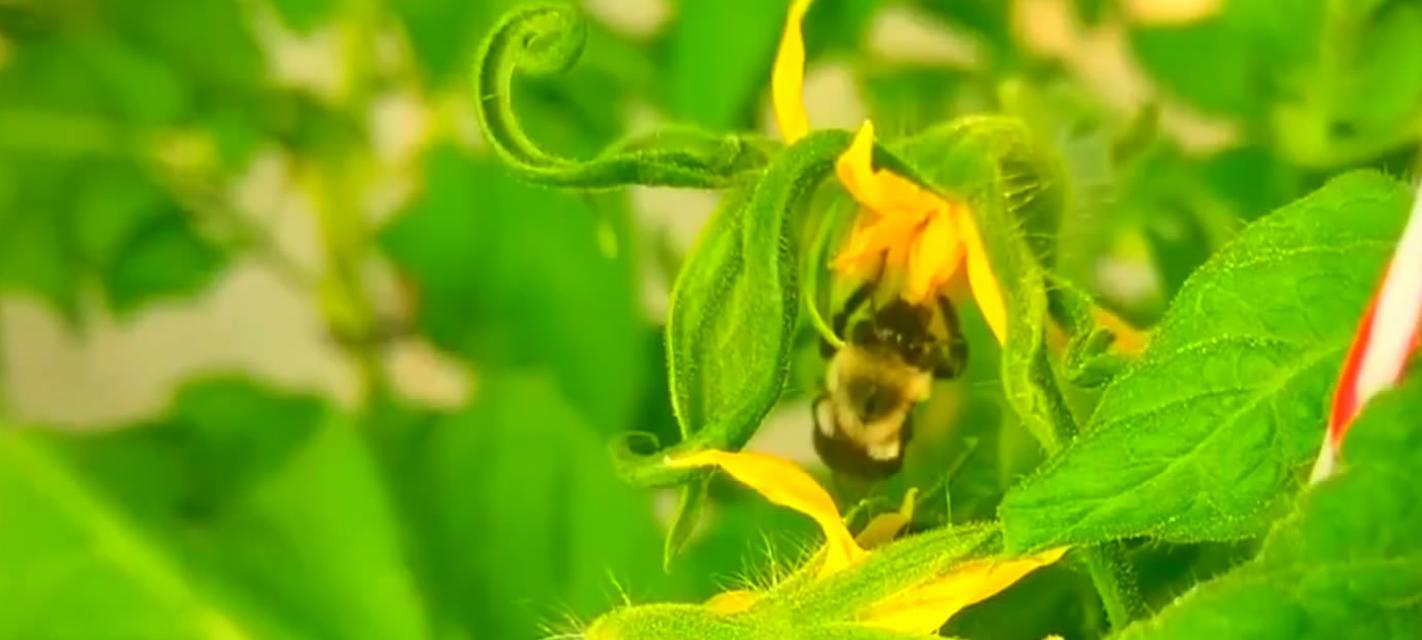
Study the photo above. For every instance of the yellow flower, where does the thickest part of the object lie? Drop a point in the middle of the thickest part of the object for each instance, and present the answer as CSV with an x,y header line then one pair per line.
x,y
920,608
905,233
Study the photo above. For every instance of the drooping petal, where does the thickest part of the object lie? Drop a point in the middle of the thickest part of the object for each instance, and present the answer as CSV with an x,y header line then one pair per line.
x,y
787,79
934,255
927,606
986,290
855,169
780,481
881,191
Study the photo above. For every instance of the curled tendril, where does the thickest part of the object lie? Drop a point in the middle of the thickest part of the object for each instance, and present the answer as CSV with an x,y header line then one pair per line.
x,y
548,39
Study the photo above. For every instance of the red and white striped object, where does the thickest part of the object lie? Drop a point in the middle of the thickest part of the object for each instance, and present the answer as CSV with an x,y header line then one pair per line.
x,y
1387,336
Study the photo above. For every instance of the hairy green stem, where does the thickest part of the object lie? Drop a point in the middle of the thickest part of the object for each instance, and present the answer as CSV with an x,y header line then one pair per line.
x,y
548,39
1115,583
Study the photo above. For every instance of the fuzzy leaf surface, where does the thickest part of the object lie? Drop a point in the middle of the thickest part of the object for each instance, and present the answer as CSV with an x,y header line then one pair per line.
x,y
1205,439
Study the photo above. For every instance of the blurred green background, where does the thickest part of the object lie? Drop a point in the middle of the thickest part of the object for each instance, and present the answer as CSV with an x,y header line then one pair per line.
x,y
286,354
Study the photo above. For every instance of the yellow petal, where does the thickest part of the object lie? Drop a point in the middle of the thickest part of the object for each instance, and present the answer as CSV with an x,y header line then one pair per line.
x,y
883,192
935,255
927,606
985,287
730,602
877,236
885,526
780,481
1129,340
787,79
855,167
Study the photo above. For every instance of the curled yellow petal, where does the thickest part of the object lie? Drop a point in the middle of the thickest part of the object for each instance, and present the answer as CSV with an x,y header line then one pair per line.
x,y
986,289
934,257
787,79
927,606
855,167
781,482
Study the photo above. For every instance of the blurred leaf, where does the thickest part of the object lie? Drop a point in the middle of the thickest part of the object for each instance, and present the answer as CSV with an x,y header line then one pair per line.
x,y
511,274
521,522
69,224
1202,63
838,26
74,567
242,514
81,112
306,15
905,100
444,33
1348,563
987,21
1204,439
161,260
1326,83
718,59
209,41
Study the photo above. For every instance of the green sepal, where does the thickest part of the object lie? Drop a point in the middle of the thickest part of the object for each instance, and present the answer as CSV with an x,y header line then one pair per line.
x,y
1014,191
1088,361
733,314
547,39
688,513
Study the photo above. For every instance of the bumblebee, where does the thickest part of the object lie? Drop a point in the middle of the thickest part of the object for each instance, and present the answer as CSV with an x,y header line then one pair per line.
x,y
890,358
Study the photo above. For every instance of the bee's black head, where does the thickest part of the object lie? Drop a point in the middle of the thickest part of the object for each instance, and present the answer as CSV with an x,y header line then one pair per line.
x,y
899,328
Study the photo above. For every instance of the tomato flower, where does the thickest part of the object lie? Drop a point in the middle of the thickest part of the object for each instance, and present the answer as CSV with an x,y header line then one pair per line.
x,y
905,233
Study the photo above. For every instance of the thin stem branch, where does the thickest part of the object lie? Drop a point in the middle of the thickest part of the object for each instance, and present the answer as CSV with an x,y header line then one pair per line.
x,y
1115,583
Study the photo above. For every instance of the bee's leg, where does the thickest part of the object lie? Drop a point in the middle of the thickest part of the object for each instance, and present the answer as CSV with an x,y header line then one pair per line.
x,y
840,322
952,354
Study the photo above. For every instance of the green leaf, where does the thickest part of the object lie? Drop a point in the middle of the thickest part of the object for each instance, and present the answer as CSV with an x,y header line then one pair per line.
x,y
519,519
510,274
709,83
163,259
244,513
69,224
306,15
1328,83
1206,437
1348,563
443,34
209,41
914,98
